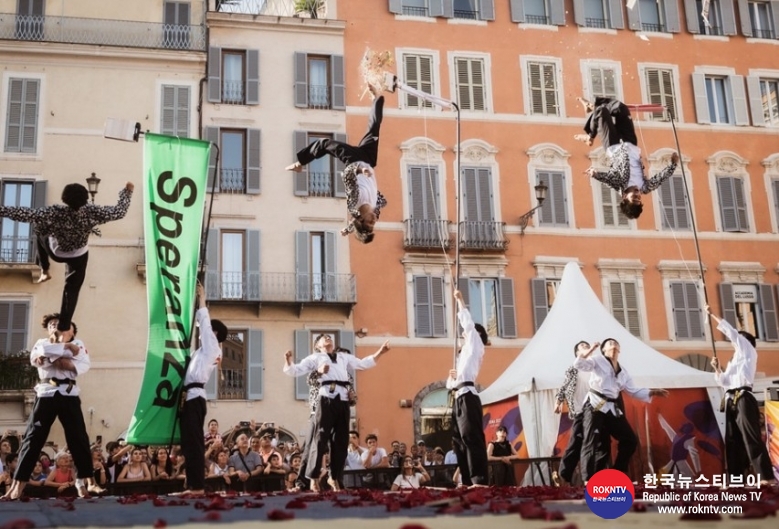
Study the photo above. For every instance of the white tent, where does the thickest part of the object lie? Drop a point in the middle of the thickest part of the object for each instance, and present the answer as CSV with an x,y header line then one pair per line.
x,y
536,374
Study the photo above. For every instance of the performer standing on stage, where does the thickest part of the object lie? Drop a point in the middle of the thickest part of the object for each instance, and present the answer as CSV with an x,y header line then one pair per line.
x,y
332,414
468,435
193,415
602,414
743,441
364,201
63,234
57,396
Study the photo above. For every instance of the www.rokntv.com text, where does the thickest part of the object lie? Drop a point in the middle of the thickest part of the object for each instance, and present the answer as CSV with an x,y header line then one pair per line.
x,y
702,496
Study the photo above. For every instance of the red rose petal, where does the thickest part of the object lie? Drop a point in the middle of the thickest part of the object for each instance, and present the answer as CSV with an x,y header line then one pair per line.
x,y
393,506
413,526
278,514
19,523
457,508
253,504
159,502
160,523
531,511
639,507
213,516
218,503
297,503
553,516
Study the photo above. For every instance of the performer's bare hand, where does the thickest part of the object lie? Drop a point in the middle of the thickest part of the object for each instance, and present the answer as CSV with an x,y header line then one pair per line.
x,y
590,171
558,407
675,158
227,479
452,373
39,361
288,356
384,347
658,392
73,348
129,186
458,295
715,363
324,369
707,308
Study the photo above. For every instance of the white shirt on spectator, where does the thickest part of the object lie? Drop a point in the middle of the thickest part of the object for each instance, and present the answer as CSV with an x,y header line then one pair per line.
x,y
470,357
408,482
375,460
219,471
450,458
740,371
354,458
54,351
605,380
203,361
338,370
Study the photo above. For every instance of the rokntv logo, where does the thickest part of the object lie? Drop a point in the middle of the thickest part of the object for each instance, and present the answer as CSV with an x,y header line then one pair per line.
x,y
609,494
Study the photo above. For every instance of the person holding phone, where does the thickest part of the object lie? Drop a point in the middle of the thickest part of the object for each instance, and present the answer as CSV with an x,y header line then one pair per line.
x,y
412,475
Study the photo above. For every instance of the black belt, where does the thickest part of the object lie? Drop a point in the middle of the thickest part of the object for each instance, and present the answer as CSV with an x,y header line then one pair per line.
x,y
333,383
193,385
734,394
738,390
462,385
604,397
70,382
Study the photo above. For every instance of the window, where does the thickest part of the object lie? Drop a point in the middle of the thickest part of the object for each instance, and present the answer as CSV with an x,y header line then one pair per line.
x,y
18,241
241,373
720,98
760,19
624,305
21,126
491,303
596,14
775,192
686,309
535,11
239,160
750,308
541,12
415,8
732,203
554,211
304,346
544,292
542,83
429,307
659,84
319,81
603,82
322,177
233,76
657,16
764,100
176,25
13,326
717,94
649,15
715,18
424,227
673,204
315,267
419,75
467,9
29,20
471,86
612,215
233,261
175,111
480,230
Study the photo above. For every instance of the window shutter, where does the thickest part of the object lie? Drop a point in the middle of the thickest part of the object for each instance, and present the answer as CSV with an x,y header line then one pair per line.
x,y
557,8
301,80
411,63
254,365
39,196
755,101
30,115
540,301
618,303
168,125
13,128
668,96
633,323
212,134
211,387
302,350
559,200
212,265
484,179
214,75
448,8
691,15
634,16
463,85
331,277
338,88
536,87
302,269
775,186
728,303
301,178
340,189
13,326
487,10
727,203
436,8
253,152
667,204
396,6
739,99
775,16
579,16
471,198
728,14
768,306
518,10
422,307
679,309
438,306
426,76
416,190
701,99
507,318
607,200
615,10
694,310
253,265
252,77
672,22
741,204
464,286
680,203
478,84
746,21
182,112
346,340
546,211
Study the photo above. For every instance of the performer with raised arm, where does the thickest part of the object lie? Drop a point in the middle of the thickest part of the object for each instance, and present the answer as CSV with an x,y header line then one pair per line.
x,y
602,413
332,414
57,397
63,235
468,435
193,415
743,441
364,201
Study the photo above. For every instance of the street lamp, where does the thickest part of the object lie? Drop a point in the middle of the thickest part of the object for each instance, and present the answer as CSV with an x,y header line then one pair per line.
x,y
541,190
92,183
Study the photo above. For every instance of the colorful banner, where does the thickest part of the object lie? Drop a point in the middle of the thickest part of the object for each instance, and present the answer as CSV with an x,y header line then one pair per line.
x,y
175,173
772,433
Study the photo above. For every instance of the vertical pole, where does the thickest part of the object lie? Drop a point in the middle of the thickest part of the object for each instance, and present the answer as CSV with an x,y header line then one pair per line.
x,y
458,201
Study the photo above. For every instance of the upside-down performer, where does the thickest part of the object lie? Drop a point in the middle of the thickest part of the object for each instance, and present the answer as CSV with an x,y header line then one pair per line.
x,y
363,199
63,234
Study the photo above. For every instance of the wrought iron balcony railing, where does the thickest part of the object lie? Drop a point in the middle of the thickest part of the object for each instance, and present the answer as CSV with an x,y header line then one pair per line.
x,y
280,287
537,19
232,384
655,28
477,235
426,234
415,11
320,184
232,92
276,8
16,373
763,33
596,22
232,181
712,30
20,250
318,96
466,13
101,32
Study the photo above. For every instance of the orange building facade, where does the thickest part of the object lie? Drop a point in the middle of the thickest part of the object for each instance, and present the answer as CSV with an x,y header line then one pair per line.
x,y
516,69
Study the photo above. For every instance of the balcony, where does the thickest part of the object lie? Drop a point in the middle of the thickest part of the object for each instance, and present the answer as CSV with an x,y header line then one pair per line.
x,y
596,23
101,32
232,92
276,8
415,11
426,234
17,254
232,181
763,33
537,19
484,236
466,14
652,28
318,96
320,184
232,384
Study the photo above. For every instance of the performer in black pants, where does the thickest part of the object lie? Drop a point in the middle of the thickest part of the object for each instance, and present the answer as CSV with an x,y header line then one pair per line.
x,y
57,397
63,233
363,199
332,415
744,445
193,415
470,446
602,411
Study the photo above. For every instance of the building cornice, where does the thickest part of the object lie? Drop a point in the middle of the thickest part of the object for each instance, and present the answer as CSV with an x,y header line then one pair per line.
x,y
217,21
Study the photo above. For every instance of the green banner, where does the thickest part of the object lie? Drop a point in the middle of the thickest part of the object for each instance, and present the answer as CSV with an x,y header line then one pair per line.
x,y
175,175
